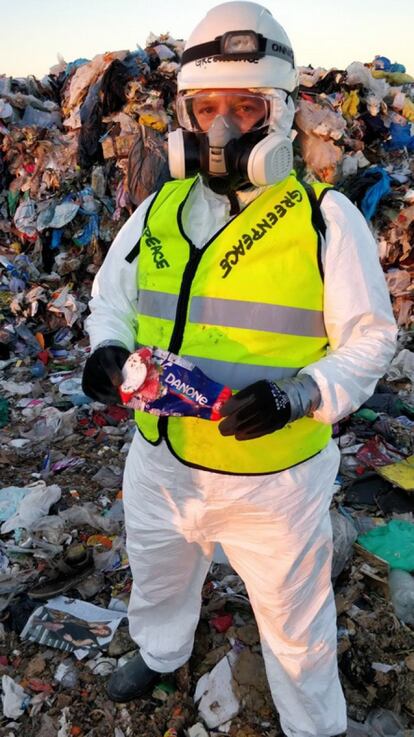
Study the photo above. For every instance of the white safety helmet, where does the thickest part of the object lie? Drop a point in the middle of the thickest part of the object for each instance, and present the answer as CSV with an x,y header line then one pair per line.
x,y
238,45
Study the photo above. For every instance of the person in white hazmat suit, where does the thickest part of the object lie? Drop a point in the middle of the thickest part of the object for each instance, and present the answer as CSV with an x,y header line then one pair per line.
x,y
274,288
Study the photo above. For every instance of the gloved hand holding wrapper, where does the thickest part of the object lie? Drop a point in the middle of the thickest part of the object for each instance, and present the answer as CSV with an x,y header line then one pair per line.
x,y
162,383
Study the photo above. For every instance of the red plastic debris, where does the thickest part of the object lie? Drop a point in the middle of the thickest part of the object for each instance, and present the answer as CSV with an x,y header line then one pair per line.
x,y
222,622
38,686
44,356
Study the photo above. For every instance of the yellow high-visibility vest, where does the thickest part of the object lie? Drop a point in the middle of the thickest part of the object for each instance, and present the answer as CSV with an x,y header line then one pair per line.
x,y
247,306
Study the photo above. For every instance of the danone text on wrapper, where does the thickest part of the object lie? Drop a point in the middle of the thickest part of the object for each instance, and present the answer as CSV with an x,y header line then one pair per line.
x,y
163,383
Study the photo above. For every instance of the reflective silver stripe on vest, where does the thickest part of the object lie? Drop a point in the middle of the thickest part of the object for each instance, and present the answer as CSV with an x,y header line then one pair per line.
x,y
236,314
157,304
257,316
239,375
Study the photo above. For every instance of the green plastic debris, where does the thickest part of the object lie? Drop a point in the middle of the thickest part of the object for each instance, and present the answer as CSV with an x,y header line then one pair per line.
x,y
366,414
12,200
404,409
393,542
4,412
163,690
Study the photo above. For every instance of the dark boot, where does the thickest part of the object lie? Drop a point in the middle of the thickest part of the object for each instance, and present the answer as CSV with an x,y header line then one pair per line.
x,y
131,681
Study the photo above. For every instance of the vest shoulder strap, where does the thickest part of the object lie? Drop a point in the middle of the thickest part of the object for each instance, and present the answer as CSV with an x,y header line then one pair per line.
x,y
318,221
316,191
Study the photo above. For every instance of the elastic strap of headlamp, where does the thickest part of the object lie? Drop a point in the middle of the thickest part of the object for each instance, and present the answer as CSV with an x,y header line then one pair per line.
x,y
264,47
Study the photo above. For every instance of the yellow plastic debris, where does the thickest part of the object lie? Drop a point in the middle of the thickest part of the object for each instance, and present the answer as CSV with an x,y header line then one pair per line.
x,y
408,110
351,104
401,474
153,121
393,78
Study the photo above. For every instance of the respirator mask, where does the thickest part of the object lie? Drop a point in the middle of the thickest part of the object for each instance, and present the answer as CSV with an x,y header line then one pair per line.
x,y
232,137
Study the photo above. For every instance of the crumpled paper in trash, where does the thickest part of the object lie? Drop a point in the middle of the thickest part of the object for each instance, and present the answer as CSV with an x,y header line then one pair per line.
x,y
214,691
65,303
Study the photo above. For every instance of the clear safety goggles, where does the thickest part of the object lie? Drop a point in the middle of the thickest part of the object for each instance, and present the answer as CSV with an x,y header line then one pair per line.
x,y
249,110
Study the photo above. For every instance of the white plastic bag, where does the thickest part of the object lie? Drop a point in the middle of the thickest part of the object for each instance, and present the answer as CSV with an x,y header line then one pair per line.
x,y
14,698
33,507
402,366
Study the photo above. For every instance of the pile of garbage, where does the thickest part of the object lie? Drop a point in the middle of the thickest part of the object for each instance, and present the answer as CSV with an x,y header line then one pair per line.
x,y
79,150
356,131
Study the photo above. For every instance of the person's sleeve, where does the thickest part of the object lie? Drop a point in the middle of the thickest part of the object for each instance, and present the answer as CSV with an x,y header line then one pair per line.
x,y
113,307
357,311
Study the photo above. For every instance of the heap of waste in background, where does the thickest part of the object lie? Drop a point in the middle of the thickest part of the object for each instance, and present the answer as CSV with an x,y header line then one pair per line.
x,y
79,150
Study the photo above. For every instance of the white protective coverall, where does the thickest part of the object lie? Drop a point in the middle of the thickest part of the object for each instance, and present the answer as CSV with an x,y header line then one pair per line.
x,y
274,529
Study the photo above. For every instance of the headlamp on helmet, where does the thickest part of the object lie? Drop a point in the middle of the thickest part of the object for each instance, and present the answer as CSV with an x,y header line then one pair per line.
x,y
239,45
239,42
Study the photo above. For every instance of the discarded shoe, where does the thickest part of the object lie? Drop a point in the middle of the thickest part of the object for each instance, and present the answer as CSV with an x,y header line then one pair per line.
x,y
76,564
131,681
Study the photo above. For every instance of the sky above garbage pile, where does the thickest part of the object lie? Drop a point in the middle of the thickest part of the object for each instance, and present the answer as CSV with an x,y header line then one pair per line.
x,y
323,32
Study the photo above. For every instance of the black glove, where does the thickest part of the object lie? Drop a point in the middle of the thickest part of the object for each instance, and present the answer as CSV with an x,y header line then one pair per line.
x,y
103,373
257,410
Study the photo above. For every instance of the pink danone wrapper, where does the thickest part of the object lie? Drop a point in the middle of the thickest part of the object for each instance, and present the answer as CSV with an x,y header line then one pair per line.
x,y
162,383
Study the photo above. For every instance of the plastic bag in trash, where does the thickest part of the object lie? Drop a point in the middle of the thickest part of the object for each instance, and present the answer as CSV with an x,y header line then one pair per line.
x,y
14,697
344,536
384,723
33,506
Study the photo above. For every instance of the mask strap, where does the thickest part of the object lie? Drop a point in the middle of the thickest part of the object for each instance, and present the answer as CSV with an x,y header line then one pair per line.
x,y
234,202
